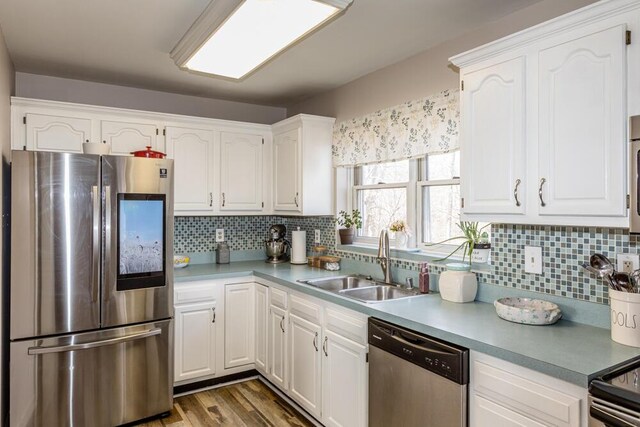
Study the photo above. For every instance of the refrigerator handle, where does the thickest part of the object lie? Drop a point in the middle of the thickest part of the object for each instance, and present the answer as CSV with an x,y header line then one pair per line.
x,y
93,344
107,230
95,265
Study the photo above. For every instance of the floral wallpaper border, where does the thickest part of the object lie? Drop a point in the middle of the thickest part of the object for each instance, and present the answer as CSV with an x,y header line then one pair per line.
x,y
425,126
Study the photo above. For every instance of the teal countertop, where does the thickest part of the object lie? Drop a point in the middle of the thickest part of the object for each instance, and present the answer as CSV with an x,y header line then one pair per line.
x,y
571,351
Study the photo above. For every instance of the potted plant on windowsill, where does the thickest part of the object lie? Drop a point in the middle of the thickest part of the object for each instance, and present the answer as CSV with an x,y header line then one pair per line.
x,y
349,223
474,239
402,233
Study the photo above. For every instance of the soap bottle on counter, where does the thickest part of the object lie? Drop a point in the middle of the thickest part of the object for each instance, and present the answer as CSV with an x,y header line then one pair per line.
x,y
423,278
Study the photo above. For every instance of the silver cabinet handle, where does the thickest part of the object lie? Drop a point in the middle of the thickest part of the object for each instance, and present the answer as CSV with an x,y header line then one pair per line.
x,y
95,264
542,203
515,191
213,310
282,325
223,200
210,199
324,346
93,344
295,200
315,341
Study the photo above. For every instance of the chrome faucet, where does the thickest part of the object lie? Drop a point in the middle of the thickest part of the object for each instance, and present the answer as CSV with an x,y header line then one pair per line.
x,y
384,256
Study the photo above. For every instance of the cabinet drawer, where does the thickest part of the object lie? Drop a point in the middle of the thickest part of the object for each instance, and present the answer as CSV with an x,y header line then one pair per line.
x,y
305,309
278,298
487,413
348,325
525,396
194,294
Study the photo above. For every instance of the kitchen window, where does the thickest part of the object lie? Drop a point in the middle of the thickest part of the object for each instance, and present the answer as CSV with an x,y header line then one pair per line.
x,y
425,192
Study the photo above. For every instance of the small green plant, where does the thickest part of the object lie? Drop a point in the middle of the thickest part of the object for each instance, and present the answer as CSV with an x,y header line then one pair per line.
x,y
349,220
471,234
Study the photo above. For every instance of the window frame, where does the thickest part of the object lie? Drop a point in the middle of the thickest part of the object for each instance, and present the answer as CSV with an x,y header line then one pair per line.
x,y
418,171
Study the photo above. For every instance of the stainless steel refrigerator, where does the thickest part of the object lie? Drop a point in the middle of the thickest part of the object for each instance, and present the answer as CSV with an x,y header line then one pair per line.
x,y
91,294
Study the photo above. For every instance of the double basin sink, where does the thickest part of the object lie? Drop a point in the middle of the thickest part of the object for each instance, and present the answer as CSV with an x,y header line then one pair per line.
x,y
361,288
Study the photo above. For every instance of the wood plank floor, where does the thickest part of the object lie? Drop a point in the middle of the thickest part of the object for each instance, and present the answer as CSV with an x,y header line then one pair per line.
x,y
249,403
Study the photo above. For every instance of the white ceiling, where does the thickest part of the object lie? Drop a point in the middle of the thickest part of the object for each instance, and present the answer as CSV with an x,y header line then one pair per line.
x,y
127,42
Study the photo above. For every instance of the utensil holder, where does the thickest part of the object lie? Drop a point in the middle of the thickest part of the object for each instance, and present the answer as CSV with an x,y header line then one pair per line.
x,y
625,317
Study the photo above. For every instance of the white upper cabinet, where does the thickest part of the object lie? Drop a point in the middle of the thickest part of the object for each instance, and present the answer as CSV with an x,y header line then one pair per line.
x,y
493,139
126,137
286,171
581,128
192,152
241,172
46,132
302,166
544,121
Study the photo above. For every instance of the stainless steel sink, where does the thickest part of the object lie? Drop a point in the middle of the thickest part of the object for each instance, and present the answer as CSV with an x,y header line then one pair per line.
x,y
380,293
340,283
361,288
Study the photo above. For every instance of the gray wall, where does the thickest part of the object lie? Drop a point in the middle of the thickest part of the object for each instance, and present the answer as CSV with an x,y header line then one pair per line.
x,y
7,86
426,73
84,92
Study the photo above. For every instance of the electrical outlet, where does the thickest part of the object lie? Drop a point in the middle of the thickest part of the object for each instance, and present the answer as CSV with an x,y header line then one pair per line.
x,y
219,235
533,259
626,263
316,238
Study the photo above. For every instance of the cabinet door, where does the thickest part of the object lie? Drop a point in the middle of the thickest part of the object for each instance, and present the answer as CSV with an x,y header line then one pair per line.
x,y
126,137
305,385
57,133
344,382
192,153
582,123
493,139
241,172
195,339
277,356
286,171
262,320
239,318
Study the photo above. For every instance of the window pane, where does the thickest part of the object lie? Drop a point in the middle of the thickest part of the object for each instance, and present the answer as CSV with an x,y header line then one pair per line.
x,y
388,173
441,212
380,207
443,166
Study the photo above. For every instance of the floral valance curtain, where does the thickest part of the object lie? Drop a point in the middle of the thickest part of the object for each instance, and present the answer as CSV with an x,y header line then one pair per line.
x,y
413,129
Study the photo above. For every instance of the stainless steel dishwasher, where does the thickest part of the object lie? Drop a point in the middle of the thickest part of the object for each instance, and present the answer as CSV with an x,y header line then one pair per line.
x,y
415,380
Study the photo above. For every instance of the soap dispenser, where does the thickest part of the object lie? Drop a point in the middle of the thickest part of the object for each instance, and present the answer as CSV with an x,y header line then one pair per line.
x,y
423,278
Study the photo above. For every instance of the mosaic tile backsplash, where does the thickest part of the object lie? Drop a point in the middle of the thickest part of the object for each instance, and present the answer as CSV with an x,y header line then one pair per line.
x,y
563,249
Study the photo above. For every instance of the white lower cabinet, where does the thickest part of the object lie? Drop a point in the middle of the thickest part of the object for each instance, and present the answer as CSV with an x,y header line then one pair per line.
x,y
195,340
261,326
239,326
305,386
277,347
344,382
504,394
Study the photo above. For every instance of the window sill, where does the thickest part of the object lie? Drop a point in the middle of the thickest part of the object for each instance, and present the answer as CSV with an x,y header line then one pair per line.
x,y
415,255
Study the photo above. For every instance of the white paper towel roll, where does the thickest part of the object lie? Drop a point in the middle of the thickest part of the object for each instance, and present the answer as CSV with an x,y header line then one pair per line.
x,y
299,247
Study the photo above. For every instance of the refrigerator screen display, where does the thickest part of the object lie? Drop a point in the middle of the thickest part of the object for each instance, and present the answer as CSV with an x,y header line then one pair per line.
x,y
141,241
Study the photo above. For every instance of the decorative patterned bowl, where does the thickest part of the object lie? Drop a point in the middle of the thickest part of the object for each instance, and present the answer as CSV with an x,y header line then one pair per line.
x,y
528,311
180,261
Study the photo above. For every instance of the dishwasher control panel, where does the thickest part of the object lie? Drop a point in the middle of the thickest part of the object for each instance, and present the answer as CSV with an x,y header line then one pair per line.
x,y
447,360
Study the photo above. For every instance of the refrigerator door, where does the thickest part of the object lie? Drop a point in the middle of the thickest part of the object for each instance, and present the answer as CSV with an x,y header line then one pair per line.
x,y
102,378
55,243
137,269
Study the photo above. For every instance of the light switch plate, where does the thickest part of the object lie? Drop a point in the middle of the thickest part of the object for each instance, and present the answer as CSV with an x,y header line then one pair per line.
x,y
219,235
533,259
316,238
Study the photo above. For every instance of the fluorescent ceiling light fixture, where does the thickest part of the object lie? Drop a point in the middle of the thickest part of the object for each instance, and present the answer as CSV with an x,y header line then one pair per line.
x,y
232,38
